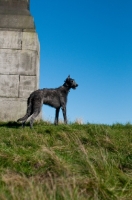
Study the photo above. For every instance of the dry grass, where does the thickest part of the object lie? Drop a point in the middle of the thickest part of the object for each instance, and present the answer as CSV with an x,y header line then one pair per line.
x,y
74,162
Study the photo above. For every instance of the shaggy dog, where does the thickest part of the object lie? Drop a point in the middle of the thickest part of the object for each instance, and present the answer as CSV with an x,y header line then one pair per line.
x,y
56,98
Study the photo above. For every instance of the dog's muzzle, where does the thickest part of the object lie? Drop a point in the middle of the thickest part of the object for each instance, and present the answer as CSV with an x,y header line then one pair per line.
x,y
74,87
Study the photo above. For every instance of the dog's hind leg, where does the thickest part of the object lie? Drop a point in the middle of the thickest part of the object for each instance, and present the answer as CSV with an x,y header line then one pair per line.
x,y
35,114
56,116
28,113
36,110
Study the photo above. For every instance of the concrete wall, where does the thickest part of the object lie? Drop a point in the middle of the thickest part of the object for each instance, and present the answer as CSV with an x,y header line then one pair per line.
x,y
19,59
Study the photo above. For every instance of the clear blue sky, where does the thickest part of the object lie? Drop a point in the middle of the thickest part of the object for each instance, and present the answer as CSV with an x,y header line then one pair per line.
x,y
92,41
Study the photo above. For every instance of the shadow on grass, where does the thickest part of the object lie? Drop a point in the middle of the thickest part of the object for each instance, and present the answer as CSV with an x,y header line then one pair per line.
x,y
11,124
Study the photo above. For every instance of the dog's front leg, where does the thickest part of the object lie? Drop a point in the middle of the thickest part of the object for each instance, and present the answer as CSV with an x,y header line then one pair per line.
x,y
64,114
56,116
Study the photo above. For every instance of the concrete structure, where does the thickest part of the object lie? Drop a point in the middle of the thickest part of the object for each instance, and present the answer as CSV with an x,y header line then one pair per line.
x,y
19,58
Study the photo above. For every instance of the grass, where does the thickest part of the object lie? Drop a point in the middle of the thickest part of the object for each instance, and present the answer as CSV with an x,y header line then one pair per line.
x,y
65,162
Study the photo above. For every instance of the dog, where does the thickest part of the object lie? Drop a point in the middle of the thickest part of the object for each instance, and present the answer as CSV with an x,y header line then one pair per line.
x,y
54,97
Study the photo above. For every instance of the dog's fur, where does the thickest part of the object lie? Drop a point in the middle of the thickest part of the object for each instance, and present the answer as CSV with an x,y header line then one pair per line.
x,y
56,98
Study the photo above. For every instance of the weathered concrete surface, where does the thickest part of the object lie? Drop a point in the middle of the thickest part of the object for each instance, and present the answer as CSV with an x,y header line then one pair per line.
x,y
20,7
27,85
19,58
19,40
9,85
30,41
8,10
12,108
16,21
18,62
19,4
10,40
37,71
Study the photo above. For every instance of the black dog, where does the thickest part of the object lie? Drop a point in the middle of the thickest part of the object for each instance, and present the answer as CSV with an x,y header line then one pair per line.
x,y
56,98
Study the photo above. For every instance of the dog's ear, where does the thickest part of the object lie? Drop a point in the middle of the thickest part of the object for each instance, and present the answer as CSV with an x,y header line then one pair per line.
x,y
67,78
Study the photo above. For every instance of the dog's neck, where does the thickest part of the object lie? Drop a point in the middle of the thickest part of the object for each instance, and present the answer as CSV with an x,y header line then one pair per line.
x,y
67,86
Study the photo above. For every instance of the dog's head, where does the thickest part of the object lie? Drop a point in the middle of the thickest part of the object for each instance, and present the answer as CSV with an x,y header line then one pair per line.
x,y
71,83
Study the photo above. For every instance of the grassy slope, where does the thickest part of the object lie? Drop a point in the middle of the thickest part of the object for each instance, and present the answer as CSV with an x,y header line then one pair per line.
x,y
73,162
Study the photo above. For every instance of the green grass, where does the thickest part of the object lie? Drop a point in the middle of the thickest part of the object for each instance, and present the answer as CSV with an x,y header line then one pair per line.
x,y
65,162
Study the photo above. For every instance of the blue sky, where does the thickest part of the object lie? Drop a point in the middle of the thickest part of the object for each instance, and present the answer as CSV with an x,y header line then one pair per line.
x,y
92,41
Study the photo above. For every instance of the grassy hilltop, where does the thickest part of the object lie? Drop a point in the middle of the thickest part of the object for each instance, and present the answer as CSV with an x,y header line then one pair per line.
x,y
65,162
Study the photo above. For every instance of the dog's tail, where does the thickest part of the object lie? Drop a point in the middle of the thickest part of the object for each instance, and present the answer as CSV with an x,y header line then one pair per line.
x,y
29,110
